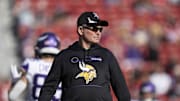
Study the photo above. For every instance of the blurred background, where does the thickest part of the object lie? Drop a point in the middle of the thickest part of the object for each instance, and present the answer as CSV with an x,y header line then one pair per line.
x,y
144,35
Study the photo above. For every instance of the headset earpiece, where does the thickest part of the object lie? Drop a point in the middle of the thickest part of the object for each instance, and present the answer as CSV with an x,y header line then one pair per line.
x,y
81,27
80,30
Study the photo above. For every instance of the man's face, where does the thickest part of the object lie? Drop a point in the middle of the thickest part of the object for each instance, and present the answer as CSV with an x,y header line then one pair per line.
x,y
92,34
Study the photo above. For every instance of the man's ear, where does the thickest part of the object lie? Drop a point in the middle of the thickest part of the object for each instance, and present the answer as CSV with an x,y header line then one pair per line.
x,y
80,30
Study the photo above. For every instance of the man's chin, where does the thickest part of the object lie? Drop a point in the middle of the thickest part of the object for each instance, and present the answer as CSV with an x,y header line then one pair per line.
x,y
95,42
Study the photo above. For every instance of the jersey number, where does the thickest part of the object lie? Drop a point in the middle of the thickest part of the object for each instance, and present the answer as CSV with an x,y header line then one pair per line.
x,y
38,83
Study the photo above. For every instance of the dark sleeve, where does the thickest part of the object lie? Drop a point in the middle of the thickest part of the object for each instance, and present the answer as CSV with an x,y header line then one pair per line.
x,y
118,82
52,81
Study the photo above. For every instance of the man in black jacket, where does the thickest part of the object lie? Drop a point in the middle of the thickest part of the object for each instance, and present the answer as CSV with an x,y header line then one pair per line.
x,y
86,69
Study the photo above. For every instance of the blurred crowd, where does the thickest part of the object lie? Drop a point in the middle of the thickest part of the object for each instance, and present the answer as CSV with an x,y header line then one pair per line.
x,y
144,35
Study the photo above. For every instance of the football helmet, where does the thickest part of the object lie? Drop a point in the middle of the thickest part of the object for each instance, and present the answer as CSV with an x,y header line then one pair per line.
x,y
47,43
147,87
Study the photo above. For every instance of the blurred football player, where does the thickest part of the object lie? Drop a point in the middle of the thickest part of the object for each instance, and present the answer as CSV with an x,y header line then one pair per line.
x,y
147,92
34,70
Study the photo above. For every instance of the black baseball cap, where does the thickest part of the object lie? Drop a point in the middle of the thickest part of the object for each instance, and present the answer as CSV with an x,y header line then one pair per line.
x,y
90,19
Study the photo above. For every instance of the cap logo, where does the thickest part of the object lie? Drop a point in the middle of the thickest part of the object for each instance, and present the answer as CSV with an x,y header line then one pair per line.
x,y
91,21
95,15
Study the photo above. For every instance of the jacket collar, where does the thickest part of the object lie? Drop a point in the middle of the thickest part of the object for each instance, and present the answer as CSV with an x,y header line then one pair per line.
x,y
77,46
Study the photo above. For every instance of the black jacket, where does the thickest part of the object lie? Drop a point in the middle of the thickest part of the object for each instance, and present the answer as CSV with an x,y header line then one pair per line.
x,y
86,75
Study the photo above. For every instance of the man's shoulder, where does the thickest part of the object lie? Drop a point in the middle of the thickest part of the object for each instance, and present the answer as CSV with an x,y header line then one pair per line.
x,y
31,61
142,100
106,50
63,51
